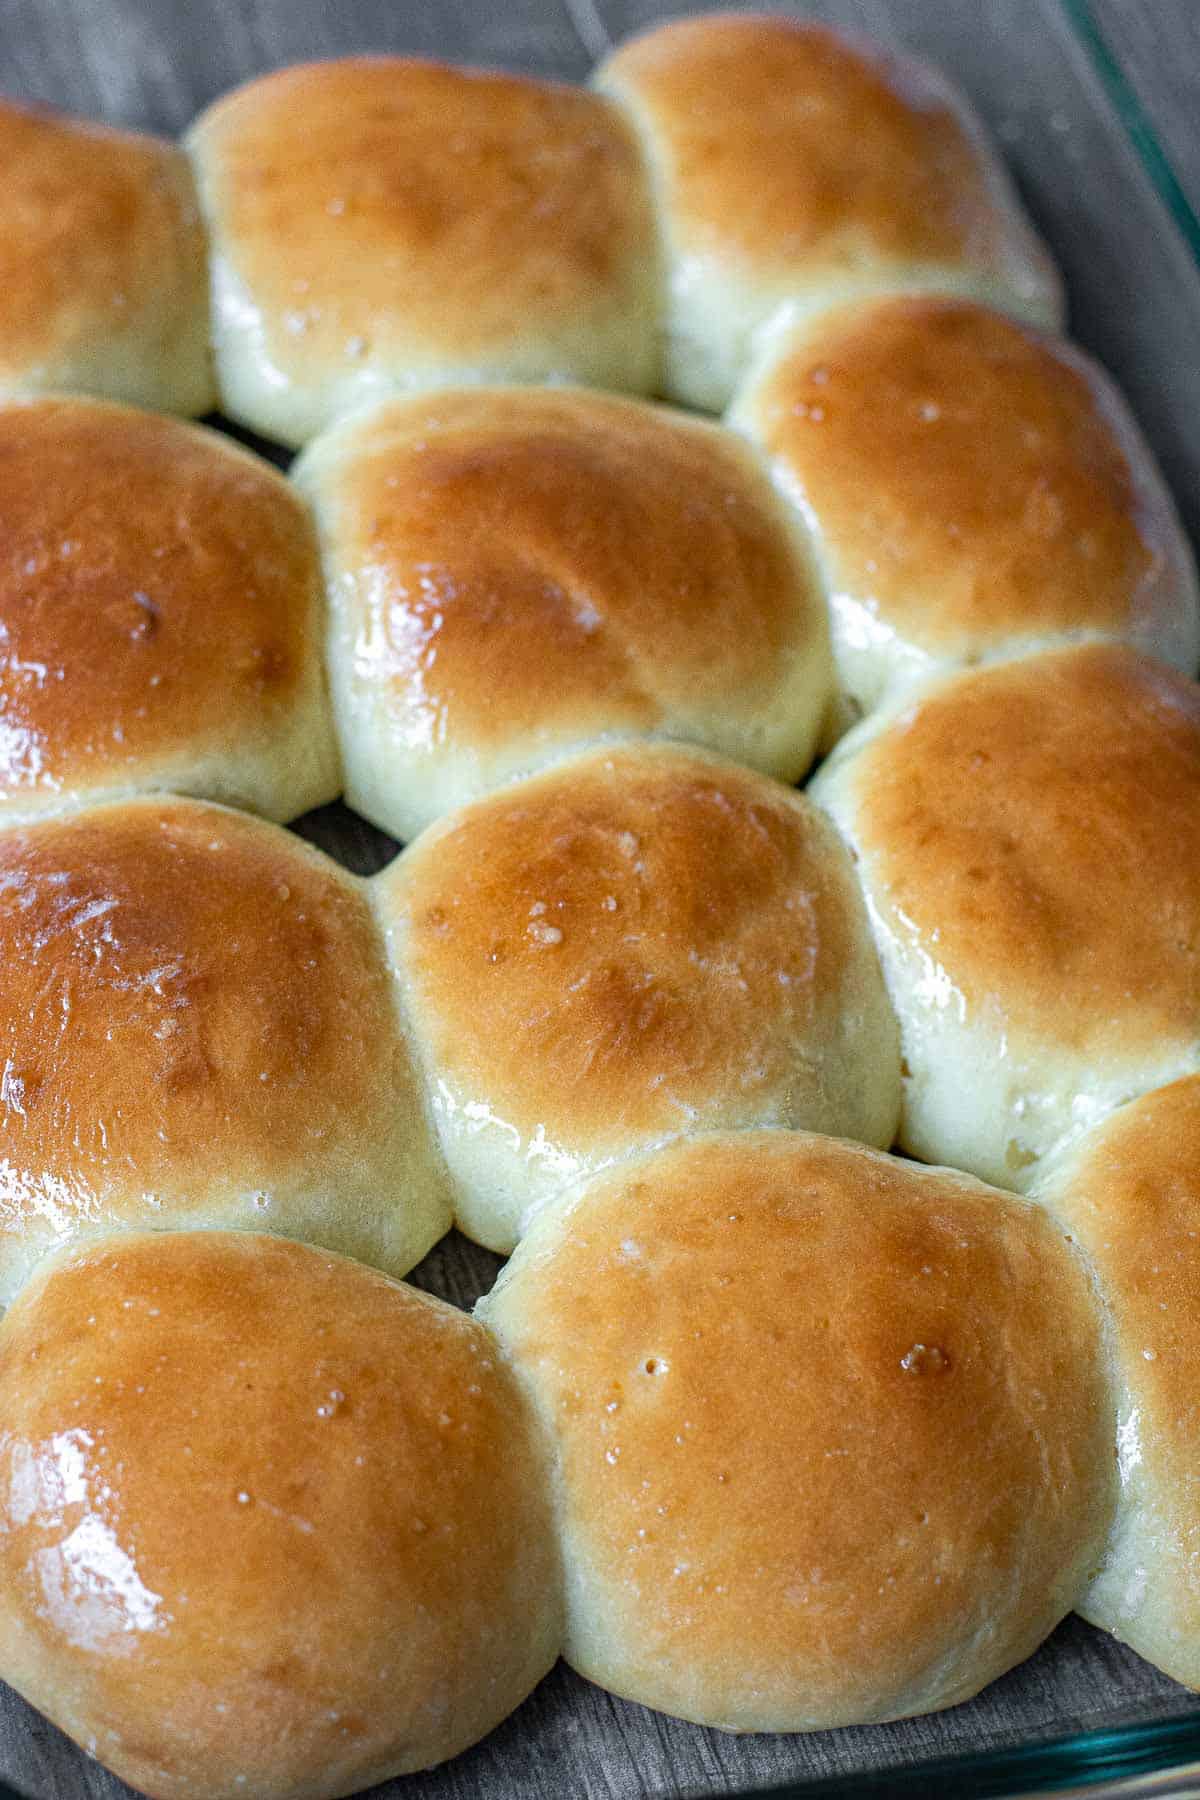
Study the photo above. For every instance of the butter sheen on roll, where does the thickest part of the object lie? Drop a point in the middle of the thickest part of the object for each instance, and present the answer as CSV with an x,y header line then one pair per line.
x,y
197,1028
629,947
161,617
275,1526
514,574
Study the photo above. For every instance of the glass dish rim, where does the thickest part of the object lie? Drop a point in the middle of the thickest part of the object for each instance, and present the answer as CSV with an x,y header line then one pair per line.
x,y
1100,1761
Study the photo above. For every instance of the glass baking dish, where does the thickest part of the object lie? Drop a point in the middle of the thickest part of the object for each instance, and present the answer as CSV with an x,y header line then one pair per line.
x,y
1084,1714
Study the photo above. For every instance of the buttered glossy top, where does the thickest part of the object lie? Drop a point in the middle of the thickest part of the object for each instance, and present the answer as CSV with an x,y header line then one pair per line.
x,y
833,1428
1035,830
272,1522
546,565
190,1003
102,262
385,203
159,605
791,152
641,942
972,483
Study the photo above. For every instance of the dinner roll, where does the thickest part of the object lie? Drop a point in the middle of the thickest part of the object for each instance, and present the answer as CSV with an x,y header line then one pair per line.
x,y
381,223
1130,1195
1028,838
272,1524
516,572
796,167
833,1432
103,284
197,1028
974,488
631,946
160,617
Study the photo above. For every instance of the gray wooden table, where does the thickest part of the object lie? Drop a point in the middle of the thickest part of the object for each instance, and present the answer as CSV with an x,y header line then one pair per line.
x,y
1095,103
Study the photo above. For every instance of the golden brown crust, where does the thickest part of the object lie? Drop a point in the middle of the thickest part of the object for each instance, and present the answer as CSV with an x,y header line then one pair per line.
x,y
833,1430
515,570
426,216
639,941
1036,827
161,614
972,481
786,147
103,283
273,1524
196,1021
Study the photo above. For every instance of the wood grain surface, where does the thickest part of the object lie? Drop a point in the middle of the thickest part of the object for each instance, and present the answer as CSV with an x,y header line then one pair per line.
x,y
1156,50
1135,293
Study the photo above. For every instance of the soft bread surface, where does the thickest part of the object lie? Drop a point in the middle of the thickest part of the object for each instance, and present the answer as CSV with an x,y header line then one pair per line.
x,y
274,1525
629,947
795,166
103,283
833,1431
197,1027
162,616
1028,838
1130,1195
516,572
974,487
381,223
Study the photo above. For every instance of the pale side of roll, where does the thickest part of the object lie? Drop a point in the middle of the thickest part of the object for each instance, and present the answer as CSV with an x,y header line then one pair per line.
x,y
1129,1194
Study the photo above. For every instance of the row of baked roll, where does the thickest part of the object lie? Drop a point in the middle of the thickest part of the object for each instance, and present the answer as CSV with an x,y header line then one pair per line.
x,y
987,943
381,223
498,577
769,1431
200,1021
